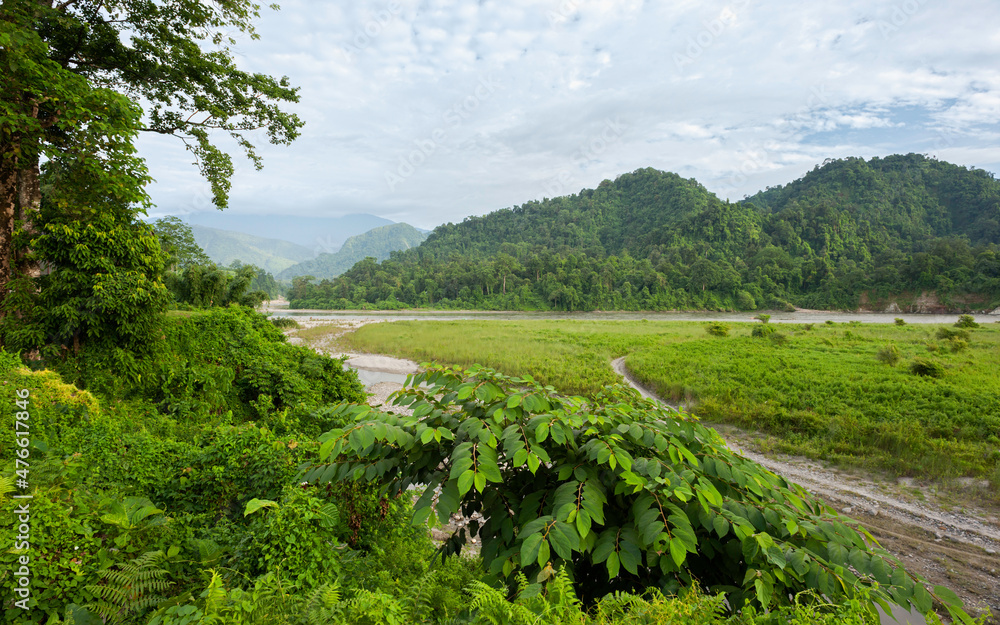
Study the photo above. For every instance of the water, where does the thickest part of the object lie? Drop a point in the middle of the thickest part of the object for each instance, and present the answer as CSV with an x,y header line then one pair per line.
x,y
371,377
776,317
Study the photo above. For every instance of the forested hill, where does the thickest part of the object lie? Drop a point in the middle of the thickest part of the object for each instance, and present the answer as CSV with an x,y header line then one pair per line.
x,y
378,243
849,233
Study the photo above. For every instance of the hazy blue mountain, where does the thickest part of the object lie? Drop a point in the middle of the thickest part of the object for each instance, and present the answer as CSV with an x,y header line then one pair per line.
x,y
319,234
225,246
378,242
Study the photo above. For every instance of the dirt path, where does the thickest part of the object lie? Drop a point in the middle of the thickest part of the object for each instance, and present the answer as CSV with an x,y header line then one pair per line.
x,y
957,549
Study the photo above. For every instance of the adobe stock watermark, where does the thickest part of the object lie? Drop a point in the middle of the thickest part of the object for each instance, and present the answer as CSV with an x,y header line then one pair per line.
x,y
563,13
452,117
586,153
365,34
709,34
22,511
899,16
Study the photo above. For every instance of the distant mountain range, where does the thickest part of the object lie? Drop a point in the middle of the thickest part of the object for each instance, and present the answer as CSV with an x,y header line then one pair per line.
x,y
319,234
379,242
225,246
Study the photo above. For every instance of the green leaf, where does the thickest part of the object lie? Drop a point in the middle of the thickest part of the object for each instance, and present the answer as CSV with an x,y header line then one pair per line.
x,y
465,481
542,432
533,462
763,592
543,553
720,525
480,482
530,547
613,565
947,596
256,504
677,551
583,522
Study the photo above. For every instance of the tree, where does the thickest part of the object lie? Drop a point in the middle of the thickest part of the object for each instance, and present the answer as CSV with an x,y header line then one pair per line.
x,y
72,73
178,243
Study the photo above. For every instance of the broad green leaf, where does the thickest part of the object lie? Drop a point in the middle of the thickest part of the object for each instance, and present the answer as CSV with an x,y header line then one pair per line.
x,y
677,551
465,481
256,504
543,553
613,565
529,548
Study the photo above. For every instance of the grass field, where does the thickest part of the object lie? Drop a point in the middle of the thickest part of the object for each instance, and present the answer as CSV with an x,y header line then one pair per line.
x,y
821,390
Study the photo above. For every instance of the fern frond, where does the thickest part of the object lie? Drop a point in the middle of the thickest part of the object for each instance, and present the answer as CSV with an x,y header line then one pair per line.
x,y
492,605
6,486
131,588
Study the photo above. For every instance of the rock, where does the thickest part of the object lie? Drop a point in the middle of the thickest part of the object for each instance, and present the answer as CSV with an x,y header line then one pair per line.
x,y
848,509
991,552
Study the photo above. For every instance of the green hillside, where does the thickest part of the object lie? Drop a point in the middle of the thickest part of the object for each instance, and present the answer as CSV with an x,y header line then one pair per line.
x,y
225,246
378,243
903,231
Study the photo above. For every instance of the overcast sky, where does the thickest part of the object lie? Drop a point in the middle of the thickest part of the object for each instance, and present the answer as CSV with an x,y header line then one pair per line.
x,y
427,111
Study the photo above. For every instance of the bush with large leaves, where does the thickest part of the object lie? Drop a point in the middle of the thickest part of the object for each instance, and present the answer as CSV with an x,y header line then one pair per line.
x,y
624,491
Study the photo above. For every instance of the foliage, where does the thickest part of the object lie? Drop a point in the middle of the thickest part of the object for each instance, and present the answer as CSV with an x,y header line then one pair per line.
x,y
717,329
131,588
947,334
204,286
103,289
821,394
225,360
625,493
285,323
762,331
888,354
900,321
763,318
966,321
178,243
849,234
926,368
299,539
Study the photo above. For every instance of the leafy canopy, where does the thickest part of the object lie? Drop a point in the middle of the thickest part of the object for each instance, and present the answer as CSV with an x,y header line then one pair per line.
x,y
621,490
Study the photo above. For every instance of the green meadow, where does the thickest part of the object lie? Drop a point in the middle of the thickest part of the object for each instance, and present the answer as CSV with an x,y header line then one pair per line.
x,y
915,400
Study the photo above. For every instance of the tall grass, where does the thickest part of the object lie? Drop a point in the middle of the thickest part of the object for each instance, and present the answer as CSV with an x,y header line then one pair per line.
x,y
823,392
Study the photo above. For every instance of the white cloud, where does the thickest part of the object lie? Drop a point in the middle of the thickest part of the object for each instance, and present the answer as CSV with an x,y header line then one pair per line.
x,y
700,88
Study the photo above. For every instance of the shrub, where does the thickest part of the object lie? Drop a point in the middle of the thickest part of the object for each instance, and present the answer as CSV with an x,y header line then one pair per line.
x,y
284,322
762,331
927,368
625,493
807,326
958,345
829,322
763,318
947,334
900,321
717,329
889,355
966,321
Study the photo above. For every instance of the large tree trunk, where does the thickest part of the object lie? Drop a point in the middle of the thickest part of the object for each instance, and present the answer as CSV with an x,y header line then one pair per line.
x,y
29,202
8,210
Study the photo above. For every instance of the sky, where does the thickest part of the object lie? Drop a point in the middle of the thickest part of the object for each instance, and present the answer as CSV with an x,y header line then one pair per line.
x,y
428,111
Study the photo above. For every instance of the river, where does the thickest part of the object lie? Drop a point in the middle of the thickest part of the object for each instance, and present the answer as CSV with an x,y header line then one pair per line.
x,y
818,316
